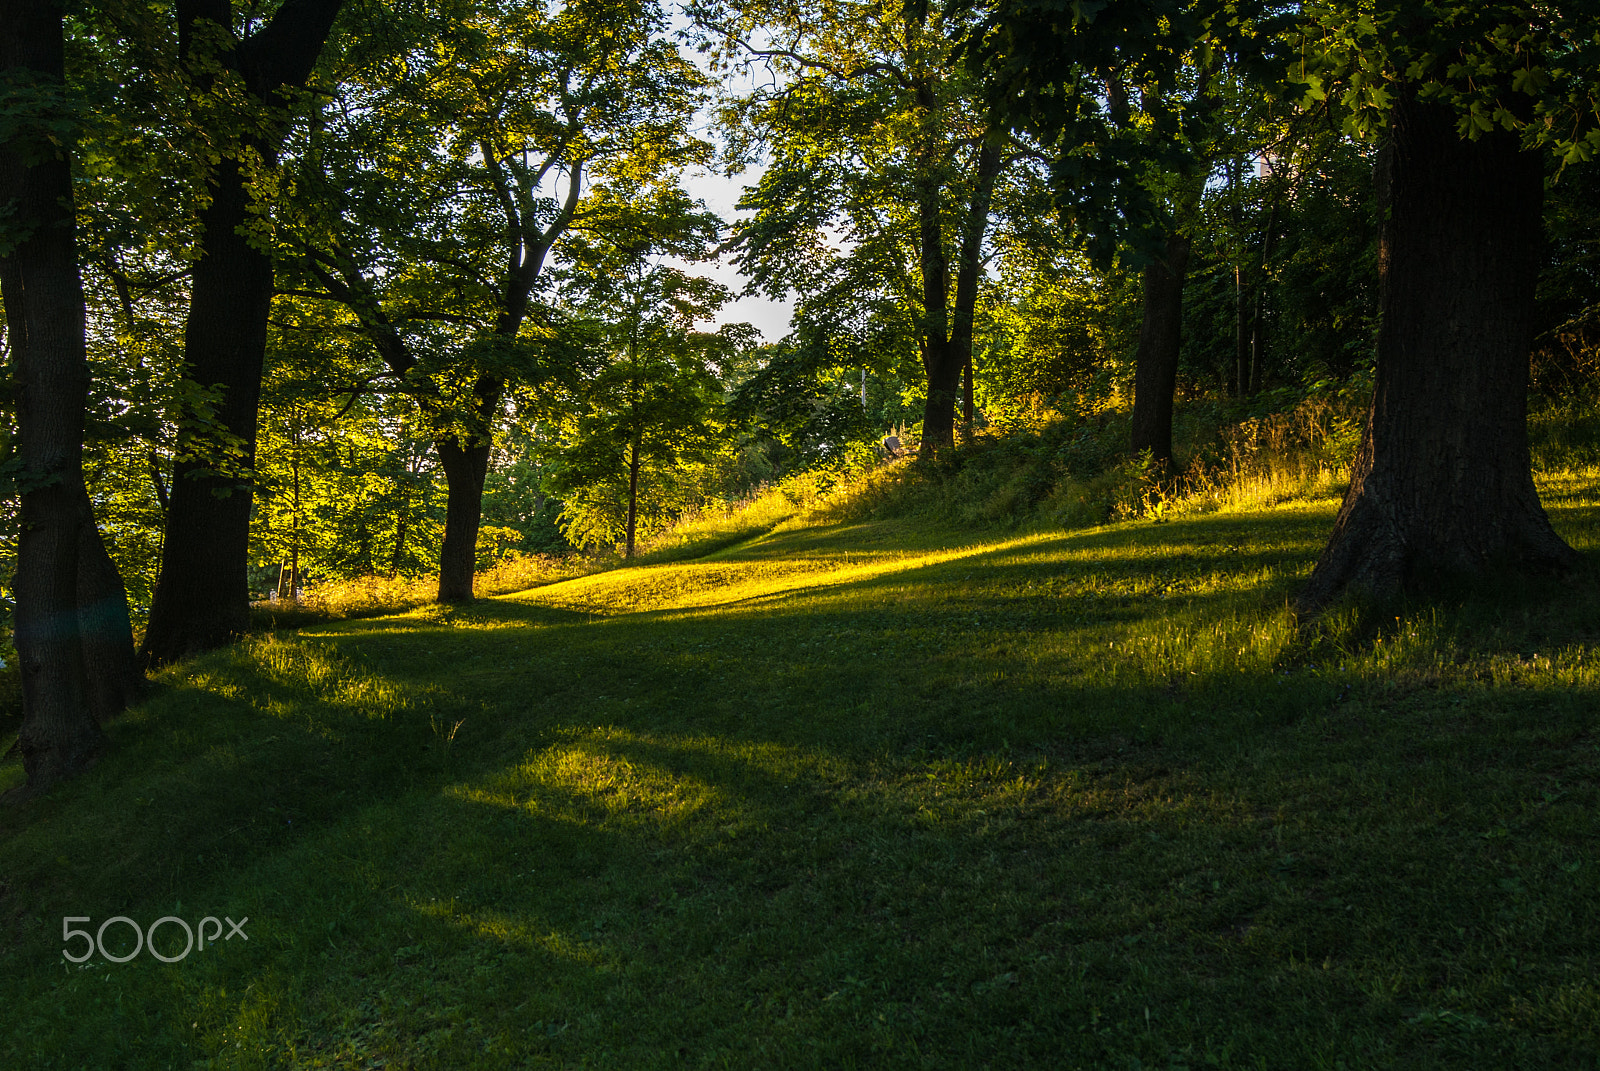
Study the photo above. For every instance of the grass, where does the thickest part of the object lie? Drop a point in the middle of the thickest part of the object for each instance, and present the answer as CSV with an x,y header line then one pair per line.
x,y
854,793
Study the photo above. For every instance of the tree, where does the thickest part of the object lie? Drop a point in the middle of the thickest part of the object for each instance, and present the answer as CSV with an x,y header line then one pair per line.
x,y
44,310
650,410
1121,175
1155,362
242,86
447,178
1468,107
883,173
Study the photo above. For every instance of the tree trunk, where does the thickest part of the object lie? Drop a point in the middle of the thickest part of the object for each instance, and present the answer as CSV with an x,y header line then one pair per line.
x,y
465,468
940,363
1441,483
966,395
202,597
45,320
1239,377
1258,323
633,491
1241,336
949,350
943,369
1155,363
399,542
111,668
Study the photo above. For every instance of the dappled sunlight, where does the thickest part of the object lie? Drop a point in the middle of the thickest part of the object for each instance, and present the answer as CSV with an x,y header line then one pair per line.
x,y
585,780
334,680
504,928
914,788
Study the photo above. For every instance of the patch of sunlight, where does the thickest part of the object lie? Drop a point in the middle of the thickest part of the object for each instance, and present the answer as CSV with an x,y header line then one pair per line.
x,y
1185,646
584,780
336,681
703,584
610,775
280,676
491,925
1284,482
1570,486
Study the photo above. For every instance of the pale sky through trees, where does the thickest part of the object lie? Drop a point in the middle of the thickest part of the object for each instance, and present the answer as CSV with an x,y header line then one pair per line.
x,y
721,194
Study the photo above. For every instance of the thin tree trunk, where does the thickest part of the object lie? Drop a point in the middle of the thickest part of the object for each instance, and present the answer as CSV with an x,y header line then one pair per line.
x,y
633,491
966,396
465,468
44,309
202,596
1441,482
1239,376
1155,375
294,545
1241,336
1258,324
940,363
399,542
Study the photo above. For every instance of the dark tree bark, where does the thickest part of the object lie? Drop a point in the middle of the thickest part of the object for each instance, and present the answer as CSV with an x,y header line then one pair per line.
x,y
112,675
43,297
1441,483
465,468
1241,335
947,328
1155,362
202,596
967,411
940,363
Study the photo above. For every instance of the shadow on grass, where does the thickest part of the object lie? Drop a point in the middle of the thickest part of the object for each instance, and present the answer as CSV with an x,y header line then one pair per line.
x,y
864,826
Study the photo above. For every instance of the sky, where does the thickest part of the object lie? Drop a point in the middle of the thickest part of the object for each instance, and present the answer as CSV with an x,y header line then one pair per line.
x,y
721,194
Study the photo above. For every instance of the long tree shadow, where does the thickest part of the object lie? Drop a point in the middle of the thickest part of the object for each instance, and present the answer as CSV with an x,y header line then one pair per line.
x,y
529,832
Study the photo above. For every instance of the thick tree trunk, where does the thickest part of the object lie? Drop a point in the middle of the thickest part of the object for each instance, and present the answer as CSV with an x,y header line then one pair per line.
x,y
465,468
943,370
111,669
45,320
202,597
1155,374
1441,483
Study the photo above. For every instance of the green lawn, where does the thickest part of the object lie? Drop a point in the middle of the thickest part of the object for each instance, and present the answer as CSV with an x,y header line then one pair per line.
x,y
854,796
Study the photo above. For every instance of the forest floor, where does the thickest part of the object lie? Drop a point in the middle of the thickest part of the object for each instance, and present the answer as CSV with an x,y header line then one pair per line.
x,y
861,795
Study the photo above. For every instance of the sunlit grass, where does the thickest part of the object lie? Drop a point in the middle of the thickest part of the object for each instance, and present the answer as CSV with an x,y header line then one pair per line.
x,y
873,794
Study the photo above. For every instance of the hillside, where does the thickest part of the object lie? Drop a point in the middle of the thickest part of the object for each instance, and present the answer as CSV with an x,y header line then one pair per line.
x,y
849,795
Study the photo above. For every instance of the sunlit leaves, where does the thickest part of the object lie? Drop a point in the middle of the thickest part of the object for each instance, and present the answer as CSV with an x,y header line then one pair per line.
x,y
1525,67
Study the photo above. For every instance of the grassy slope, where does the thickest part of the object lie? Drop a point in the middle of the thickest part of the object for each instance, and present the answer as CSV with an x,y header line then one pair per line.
x,y
863,795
